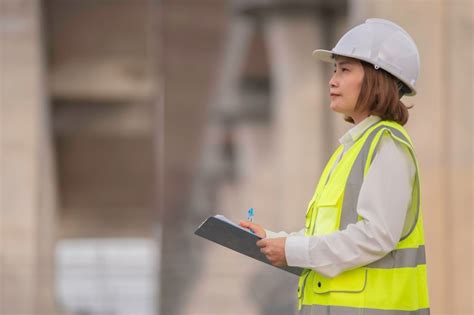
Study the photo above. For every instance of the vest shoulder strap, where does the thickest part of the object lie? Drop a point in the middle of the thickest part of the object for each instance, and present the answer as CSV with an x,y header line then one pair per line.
x,y
362,164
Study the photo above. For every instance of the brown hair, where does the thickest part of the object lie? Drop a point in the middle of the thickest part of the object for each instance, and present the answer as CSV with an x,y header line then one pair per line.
x,y
380,95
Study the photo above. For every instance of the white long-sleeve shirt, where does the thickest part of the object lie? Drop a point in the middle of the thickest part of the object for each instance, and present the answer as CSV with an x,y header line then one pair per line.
x,y
384,199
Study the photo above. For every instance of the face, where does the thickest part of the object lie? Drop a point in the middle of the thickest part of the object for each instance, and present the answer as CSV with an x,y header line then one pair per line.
x,y
344,86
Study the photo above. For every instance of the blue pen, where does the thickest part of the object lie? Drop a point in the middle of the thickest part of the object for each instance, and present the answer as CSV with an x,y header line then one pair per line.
x,y
250,215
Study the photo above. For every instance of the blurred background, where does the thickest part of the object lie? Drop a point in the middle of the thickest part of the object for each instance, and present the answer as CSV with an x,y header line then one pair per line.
x,y
126,123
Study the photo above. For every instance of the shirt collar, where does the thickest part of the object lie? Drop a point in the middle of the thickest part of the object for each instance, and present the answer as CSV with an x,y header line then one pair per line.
x,y
355,132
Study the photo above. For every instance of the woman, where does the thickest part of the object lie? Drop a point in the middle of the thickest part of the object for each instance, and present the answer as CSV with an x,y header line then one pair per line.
x,y
363,246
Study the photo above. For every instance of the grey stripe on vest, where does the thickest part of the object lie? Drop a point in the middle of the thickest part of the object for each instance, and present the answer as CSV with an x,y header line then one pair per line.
x,y
400,258
356,177
354,183
340,310
397,133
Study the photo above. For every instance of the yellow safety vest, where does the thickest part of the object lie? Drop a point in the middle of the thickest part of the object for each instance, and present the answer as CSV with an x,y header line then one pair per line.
x,y
393,285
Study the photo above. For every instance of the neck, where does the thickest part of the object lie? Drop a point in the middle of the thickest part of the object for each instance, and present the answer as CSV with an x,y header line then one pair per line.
x,y
359,117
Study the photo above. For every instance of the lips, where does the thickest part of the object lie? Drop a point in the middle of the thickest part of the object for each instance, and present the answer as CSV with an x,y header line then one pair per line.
x,y
334,94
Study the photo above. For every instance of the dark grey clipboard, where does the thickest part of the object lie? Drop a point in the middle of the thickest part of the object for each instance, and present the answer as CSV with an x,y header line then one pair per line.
x,y
237,239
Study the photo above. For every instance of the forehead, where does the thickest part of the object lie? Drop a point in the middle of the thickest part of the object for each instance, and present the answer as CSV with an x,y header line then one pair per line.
x,y
338,60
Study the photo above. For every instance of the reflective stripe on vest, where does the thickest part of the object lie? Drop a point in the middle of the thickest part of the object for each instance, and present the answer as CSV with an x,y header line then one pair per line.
x,y
354,183
401,258
409,254
356,177
341,310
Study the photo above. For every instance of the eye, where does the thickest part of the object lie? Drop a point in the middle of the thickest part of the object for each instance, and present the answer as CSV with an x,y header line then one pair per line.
x,y
345,69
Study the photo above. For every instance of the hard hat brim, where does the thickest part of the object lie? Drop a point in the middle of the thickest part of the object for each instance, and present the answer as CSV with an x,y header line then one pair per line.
x,y
329,56
324,55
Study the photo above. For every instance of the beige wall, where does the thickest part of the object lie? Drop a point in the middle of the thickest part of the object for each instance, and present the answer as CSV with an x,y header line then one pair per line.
x,y
441,127
91,93
28,199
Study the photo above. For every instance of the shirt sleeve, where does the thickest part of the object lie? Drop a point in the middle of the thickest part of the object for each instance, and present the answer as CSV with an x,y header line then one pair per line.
x,y
384,199
271,234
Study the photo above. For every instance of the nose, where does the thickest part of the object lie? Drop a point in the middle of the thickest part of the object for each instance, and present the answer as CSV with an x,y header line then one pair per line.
x,y
333,82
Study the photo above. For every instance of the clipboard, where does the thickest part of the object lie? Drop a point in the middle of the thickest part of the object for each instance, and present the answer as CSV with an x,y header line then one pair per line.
x,y
222,231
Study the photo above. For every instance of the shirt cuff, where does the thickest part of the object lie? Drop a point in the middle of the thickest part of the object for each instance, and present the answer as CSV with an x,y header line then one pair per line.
x,y
296,251
270,234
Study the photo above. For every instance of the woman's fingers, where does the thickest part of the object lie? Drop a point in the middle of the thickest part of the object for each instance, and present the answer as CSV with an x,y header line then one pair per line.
x,y
248,225
274,250
265,251
245,224
268,254
255,228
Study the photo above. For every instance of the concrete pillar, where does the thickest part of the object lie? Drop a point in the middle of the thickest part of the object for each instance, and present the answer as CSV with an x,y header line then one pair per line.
x,y
441,127
279,162
459,187
191,37
218,267
27,213
299,136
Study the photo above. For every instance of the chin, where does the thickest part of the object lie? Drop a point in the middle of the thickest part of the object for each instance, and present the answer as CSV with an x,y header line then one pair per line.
x,y
334,108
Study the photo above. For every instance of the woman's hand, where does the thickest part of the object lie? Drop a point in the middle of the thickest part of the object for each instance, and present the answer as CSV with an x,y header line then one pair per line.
x,y
255,228
274,250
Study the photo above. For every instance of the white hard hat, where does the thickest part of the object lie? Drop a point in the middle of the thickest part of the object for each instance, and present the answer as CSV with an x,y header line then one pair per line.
x,y
382,43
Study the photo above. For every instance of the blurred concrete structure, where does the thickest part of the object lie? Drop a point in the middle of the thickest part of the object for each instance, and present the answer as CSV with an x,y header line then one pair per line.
x,y
103,78
191,38
276,160
244,73
140,118
28,217
78,95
